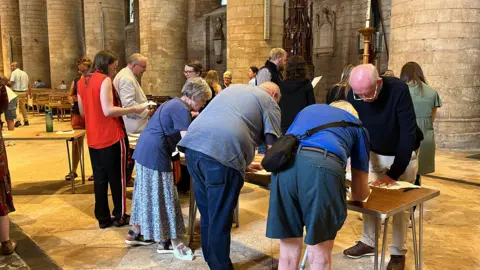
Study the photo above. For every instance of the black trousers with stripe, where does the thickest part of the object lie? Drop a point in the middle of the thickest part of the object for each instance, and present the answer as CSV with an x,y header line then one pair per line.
x,y
109,167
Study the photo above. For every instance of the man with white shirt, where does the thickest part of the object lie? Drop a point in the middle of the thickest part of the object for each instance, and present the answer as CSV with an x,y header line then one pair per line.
x,y
127,84
21,87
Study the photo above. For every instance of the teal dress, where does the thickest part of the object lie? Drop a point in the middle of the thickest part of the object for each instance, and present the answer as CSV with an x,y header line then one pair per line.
x,y
423,110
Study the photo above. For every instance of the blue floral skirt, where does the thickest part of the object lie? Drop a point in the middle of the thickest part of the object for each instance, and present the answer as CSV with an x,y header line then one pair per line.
x,y
155,206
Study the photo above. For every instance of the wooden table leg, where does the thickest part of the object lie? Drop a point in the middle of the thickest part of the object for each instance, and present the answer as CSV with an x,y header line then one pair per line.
x,y
384,242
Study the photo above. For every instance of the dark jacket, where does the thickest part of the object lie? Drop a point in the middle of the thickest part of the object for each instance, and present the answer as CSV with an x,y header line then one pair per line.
x,y
273,69
296,95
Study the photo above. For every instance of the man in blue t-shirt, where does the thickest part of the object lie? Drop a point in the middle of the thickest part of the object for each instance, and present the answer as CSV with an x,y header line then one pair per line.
x,y
312,193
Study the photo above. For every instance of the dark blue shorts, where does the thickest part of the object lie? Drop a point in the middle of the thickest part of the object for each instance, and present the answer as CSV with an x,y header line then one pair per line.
x,y
309,194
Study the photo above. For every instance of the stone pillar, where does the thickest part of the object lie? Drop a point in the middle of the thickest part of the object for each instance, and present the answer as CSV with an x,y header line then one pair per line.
x,y
246,45
33,21
11,39
113,33
65,38
163,41
1,53
443,37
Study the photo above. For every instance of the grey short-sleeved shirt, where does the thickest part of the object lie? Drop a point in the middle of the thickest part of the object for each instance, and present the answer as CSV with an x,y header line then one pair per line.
x,y
233,124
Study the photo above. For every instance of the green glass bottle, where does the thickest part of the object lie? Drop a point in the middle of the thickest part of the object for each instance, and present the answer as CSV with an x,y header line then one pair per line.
x,y
49,121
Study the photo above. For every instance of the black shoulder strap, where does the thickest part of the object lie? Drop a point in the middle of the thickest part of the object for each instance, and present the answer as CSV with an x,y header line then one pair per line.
x,y
343,124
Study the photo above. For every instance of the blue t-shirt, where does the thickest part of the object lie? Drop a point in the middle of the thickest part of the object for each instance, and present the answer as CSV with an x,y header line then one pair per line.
x,y
344,142
233,124
151,152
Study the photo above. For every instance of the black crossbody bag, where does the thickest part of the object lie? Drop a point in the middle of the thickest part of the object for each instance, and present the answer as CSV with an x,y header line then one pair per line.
x,y
282,153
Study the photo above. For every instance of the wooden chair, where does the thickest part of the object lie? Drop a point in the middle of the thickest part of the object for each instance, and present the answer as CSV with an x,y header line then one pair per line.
x,y
60,103
40,100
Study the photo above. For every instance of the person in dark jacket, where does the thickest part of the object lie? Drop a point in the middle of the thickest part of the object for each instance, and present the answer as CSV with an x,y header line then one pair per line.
x,y
272,70
296,91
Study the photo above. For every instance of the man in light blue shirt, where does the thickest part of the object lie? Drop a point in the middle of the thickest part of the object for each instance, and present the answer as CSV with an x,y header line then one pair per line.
x,y
219,147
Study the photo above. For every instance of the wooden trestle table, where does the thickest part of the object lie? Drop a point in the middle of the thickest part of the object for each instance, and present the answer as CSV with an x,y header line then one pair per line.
x,y
35,135
381,204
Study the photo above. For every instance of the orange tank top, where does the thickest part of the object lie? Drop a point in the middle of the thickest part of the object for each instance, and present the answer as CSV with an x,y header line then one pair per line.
x,y
102,131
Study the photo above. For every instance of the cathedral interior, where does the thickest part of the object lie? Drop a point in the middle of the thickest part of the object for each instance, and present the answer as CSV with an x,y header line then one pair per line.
x,y
46,37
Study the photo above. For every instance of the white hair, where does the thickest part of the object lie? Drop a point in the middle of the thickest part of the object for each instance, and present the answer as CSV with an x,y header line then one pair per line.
x,y
197,89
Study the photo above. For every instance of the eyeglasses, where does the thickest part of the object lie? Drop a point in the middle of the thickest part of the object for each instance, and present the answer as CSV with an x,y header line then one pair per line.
x,y
357,97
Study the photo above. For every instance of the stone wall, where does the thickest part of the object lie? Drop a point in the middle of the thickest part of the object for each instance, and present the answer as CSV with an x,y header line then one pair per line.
x,y
1,53
444,38
163,39
199,33
349,18
33,21
246,45
132,32
65,38
11,37
113,38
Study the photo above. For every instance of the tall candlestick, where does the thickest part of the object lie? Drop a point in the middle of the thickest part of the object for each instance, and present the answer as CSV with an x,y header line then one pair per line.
x,y
367,17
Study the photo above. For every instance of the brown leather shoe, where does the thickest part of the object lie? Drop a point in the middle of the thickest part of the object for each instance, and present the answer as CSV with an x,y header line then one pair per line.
x,y
8,247
397,262
359,250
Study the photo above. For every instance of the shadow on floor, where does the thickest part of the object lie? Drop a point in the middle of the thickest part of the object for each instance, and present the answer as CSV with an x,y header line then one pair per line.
x,y
50,187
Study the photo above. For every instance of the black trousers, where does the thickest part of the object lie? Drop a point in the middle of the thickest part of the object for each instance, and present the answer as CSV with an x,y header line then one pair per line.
x,y
109,167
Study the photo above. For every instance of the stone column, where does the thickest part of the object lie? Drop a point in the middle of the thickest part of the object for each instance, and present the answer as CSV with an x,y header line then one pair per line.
x,y
113,33
1,53
163,41
444,38
33,21
65,38
246,45
11,39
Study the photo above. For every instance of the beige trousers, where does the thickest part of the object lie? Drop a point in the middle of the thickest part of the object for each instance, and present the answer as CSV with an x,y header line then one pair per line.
x,y
379,166
22,98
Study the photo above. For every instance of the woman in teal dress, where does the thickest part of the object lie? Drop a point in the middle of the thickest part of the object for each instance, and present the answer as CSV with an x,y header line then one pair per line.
x,y
426,101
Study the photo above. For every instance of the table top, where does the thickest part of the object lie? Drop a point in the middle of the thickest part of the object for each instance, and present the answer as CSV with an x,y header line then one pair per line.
x,y
32,134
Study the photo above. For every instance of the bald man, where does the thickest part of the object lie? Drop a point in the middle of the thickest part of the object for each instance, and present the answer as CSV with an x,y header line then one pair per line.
x,y
386,109
219,147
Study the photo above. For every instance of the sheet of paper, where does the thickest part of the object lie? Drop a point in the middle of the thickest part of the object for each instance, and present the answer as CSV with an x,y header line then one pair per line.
x,y
402,185
60,132
316,80
149,103
262,172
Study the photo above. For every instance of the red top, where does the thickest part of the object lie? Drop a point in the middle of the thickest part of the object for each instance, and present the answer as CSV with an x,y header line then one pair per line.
x,y
102,131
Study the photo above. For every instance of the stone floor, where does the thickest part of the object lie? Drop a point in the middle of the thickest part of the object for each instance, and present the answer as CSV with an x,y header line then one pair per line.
x,y
64,227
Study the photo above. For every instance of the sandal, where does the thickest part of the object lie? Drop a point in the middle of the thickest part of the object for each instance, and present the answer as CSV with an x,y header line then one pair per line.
x,y
137,239
68,176
90,178
183,252
8,247
165,247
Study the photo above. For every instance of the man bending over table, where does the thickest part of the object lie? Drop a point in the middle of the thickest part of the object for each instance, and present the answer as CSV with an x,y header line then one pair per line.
x,y
219,147
311,193
386,110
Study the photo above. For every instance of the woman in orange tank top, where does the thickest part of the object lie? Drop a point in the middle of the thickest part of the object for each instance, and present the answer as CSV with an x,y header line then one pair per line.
x,y
106,137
